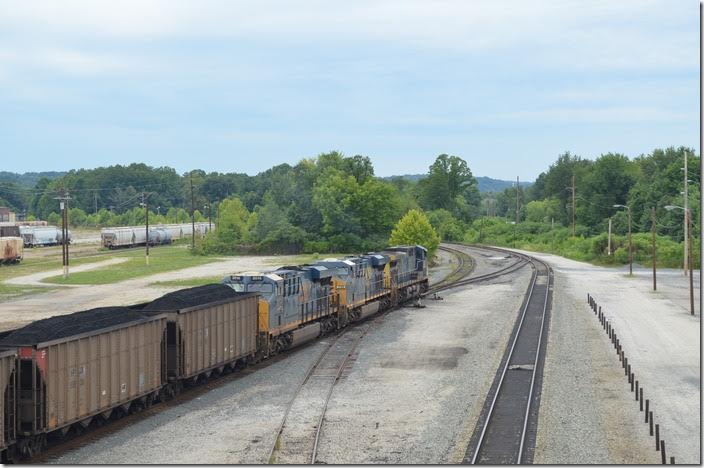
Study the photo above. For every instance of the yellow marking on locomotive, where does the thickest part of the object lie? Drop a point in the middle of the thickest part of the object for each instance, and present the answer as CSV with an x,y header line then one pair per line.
x,y
340,288
263,315
387,275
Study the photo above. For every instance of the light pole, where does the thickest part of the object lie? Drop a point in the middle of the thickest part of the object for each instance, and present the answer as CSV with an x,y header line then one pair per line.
x,y
630,242
688,218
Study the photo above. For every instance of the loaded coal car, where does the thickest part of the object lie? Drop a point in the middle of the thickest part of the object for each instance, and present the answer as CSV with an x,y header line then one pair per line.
x,y
73,368
209,329
8,390
296,304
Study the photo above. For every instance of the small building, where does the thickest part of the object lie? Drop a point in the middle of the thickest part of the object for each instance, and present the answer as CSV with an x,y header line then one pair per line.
x,y
6,215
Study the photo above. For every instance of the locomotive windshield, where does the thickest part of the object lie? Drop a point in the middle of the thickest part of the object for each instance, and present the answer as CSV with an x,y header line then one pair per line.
x,y
260,287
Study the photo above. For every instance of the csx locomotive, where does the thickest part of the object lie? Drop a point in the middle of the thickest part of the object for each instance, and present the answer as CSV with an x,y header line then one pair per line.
x,y
72,370
298,303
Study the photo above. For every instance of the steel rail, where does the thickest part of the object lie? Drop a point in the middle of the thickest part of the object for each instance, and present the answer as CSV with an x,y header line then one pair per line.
x,y
340,369
503,372
533,261
287,411
535,364
476,279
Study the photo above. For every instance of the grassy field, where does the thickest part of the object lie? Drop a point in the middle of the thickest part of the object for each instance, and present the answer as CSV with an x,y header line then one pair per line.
x,y
190,282
161,259
303,258
11,291
29,266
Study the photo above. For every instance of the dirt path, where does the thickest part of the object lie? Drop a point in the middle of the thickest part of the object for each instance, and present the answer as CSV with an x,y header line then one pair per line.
x,y
35,279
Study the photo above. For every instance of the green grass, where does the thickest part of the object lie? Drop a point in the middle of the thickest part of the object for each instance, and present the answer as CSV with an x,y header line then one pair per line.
x,y
11,291
303,258
37,265
161,260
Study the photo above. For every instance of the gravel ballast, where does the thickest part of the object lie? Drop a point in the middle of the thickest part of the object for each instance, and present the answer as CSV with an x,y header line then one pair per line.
x,y
420,378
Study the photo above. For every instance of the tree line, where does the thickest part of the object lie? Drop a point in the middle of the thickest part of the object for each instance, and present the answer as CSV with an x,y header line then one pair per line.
x,y
333,202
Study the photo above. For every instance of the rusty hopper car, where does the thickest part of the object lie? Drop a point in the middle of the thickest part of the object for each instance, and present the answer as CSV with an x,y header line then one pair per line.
x,y
11,249
8,386
209,328
74,367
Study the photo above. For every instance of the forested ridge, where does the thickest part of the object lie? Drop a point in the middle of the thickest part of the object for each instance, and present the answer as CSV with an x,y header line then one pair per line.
x,y
336,203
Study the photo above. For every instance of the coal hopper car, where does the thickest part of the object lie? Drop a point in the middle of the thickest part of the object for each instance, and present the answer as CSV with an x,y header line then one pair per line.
x,y
73,368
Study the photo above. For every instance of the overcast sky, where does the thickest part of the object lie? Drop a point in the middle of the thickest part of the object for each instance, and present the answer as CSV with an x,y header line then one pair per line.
x,y
240,86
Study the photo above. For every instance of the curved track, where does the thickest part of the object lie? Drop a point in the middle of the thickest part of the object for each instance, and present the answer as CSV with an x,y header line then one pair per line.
x,y
298,435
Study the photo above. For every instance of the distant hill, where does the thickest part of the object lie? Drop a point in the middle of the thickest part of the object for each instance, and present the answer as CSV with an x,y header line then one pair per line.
x,y
486,184
28,179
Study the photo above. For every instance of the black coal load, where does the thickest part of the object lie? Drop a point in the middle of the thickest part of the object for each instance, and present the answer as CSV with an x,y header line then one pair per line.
x,y
192,297
63,326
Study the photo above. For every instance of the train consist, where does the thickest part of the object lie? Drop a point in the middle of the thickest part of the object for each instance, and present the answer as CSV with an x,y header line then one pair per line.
x,y
11,244
133,236
42,236
68,371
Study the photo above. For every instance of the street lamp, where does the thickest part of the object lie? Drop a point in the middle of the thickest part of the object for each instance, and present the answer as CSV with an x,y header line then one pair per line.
x,y
688,223
630,243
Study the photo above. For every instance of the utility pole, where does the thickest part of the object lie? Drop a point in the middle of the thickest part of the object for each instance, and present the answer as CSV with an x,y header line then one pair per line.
x,y
691,279
63,205
193,219
145,203
517,186
95,201
609,248
210,215
630,241
574,232
686,225
630,245
655,258
515,226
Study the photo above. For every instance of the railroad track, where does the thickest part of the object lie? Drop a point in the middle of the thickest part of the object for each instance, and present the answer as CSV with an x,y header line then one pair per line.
x,y
298,434
505,432
522,260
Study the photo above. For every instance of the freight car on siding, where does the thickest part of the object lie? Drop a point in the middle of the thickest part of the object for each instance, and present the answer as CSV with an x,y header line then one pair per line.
x,y
41,236
162,234
11,244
